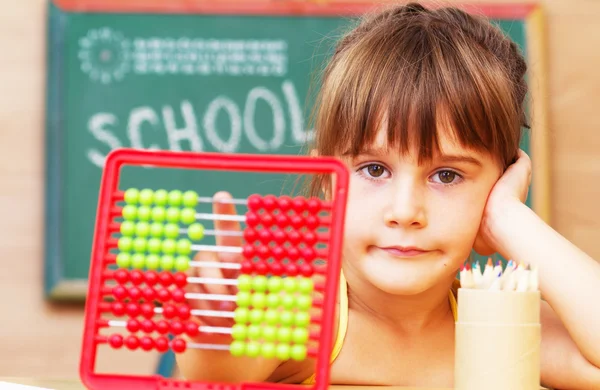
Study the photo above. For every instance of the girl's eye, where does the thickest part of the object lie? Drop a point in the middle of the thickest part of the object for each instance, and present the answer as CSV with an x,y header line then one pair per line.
x,y
374,171
447,177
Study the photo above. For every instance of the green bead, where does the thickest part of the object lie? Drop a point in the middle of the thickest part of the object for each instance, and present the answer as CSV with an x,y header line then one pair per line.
x,y
139,245
188,215
290,285
175,198
267,350
190,199
152,261
288,302
184,247
259,300
237,348
282,351
138,261
146,197
284,335
244,282
173,214
123,260
158,214
269,333
132,196
243,298
286,318
169,246
303,302
156,230
254,332
305,286
196,231
125,244
161,197
252,349
142,229
271,317
129,212
238,332
182,263
259,283
154,245
300,335
275,284
302,319
171,230
144,213
127,228
240,315
273,300
298,352
256,316
167,262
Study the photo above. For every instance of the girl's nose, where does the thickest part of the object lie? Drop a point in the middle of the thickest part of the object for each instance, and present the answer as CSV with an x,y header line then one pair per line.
x,y
406,207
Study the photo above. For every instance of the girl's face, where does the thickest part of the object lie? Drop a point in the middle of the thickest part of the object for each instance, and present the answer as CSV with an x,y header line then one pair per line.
x,y
409,226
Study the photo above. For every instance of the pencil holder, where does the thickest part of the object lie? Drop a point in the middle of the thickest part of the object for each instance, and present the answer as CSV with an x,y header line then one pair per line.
x,y
498,338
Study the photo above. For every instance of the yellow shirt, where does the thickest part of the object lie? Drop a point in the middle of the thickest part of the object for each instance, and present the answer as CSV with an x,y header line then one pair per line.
x,y
343,320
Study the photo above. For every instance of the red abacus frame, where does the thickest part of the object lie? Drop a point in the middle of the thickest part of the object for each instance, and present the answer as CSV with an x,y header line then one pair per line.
x,y
109,193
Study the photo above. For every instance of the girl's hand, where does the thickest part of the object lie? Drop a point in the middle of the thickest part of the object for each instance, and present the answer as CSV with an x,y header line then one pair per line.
x,y
512,188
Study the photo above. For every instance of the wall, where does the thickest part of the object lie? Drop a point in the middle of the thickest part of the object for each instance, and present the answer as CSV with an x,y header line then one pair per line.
x,y
573,89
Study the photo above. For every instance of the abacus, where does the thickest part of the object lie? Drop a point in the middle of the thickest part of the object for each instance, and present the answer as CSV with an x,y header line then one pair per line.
x,y
144,245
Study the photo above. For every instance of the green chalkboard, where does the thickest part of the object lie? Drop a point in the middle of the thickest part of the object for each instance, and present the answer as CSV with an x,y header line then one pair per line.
x,y
199,82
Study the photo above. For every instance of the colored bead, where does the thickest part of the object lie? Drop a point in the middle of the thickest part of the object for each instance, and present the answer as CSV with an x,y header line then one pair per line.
x,y
302,319
184,312
147,326
132,196
263,252
184,247
291,269
167,262
273,300
180,279
133,325
127,228
285,203
254,332
300,335
171,230
163,295
310,238
162,326
264,236
282,351
192,329
152,261
254,202
142,229
240,315
121,276
306,270
136,277
147,310
182,263
156,230
165,278
313,205
144,213
161,197
188,216
270,202
294,236
190,199
274,284
293,253
312,222
118,309
252,219
288,301
169,311
115,341
261,268
268,350
169,246
252,349
305,286
276,268
146,343
298,352
140,244
125,244
178,345
146,197
250,235
154,245
286,318
178,295
132,309
134,293
237,348
296,221
162,344
308,254
267,220
303,302
158,214
175,198
259,283
123,260
244,282
248,251
243,298
173,215
246,267
269,333
129,212
196,231
284,334
238,332
282,221
279,236
148,294
299,204
290,285
151,278
278,252
271,317
256,316
138,261
177,327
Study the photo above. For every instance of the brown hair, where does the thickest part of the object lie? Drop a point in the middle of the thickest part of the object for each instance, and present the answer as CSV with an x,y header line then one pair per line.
x,y
419,67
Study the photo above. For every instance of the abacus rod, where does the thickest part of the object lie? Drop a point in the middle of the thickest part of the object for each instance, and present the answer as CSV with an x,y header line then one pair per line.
x,y
208,199
203,313
215,264
210,232
228,282
221,217
211,297
217,248
202,328
220,347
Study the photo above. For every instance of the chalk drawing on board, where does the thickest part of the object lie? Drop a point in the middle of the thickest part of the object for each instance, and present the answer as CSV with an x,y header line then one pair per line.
x,y
104,55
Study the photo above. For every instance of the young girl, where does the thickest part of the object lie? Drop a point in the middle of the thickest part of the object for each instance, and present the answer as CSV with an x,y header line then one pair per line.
x,y
426,109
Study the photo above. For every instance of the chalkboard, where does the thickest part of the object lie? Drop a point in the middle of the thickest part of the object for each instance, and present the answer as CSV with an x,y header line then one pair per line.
x,y
194,78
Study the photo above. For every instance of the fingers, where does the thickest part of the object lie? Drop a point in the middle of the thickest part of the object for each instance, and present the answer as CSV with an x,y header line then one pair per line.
x,y
227,209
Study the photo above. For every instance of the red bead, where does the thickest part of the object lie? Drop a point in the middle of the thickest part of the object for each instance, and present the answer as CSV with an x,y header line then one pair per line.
x,y
312,222
180,279
285,203
178,345
162,326
133,325
252,219
297,221
165,278
146,343
178,295
121,276
276,268
135,293
306,270
294,236
293,253
177,327
291,269
299,204
255,202
118,309
308,254
147,310
265,236
136,277
148,293
247,267
282,220
269,202
250,235
261,268
310,238
163,295
192,329
147,326
132,342
115,341
162,344
278,252
313,205
279,236
184,312
169,311
120,292
263,252
267,220
151,278
248,251
132,309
